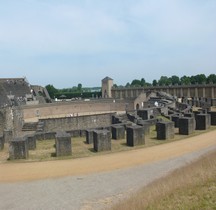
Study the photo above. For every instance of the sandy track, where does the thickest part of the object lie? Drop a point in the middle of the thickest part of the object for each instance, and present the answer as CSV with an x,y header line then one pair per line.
x,y
13,172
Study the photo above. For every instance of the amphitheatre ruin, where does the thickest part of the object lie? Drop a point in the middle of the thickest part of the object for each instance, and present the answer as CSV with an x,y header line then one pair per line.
x,y
29,115
136,117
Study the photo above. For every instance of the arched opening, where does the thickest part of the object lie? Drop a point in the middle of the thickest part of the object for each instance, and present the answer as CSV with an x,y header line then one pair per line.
x,y
137,106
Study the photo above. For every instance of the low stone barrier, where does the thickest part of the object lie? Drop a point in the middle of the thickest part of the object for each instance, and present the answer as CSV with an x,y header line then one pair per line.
x,y
102,140
165,130
18,148
135,135
63,144
186,125
118,132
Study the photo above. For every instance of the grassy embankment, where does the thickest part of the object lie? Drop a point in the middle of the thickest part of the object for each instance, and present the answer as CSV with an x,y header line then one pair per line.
x,y
190,187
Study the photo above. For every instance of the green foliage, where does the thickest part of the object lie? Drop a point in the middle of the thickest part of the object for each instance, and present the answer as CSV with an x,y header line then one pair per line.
x,y
51,90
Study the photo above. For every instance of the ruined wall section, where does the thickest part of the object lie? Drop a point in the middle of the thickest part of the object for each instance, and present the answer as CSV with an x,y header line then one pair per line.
x,y
77,123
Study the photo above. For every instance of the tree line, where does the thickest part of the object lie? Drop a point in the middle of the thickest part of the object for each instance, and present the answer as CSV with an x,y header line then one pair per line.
x,y
173,80
83,92
74,92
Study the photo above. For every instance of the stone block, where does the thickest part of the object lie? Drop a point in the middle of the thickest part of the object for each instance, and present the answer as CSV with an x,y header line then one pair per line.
x,y
165,130
31,140
175,119
18,148
74,133
49,135
89,136
1,142
8,135
135,135
186,125
118,132
213,117
203,121
102,140
146,126
63,144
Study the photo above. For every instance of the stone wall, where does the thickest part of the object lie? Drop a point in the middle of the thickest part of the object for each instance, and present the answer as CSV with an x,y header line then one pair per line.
x,y
77,123
76,107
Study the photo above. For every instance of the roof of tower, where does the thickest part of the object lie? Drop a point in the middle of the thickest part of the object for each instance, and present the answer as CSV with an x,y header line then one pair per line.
x,y
106,79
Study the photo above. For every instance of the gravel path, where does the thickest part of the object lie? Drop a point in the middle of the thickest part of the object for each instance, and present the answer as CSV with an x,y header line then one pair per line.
x,y
90,191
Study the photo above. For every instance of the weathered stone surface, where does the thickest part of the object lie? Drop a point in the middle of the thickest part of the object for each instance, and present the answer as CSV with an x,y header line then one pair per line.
x,y
18,148
102,140
213,117
165,130
175,119
89,136
118,132
8,135
31,140
146,126
203,121
1,142
135,135
63,144
186,125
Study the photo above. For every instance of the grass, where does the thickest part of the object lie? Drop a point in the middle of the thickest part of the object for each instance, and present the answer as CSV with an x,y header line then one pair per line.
x,y
46,151
189,187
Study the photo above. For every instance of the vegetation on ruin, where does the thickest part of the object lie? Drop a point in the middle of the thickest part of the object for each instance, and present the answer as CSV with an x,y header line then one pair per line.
x,y
189,187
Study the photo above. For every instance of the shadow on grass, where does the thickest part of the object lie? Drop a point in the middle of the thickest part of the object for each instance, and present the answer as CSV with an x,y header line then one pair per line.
x,y
92,150
53,154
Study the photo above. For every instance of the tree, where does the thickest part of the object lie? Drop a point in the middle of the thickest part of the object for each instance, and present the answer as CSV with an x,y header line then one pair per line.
x,y
154,82
136,83
127,85
51,90
175,80
185,80
142,82
200,78
211,79
79,87
164,80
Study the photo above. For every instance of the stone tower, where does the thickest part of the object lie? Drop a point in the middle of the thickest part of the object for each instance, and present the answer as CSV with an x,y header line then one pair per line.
x,y
107,84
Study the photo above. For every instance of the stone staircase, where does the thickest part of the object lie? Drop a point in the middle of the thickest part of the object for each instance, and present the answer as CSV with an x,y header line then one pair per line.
x,y
30,126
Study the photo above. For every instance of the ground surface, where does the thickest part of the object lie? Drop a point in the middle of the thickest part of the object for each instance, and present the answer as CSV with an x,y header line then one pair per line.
x,y
94,182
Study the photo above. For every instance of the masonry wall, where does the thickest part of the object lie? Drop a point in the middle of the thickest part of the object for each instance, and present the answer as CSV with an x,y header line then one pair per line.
x,y
77,123
76,107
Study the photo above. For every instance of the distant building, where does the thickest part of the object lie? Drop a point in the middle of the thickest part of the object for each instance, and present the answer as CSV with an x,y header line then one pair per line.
x,y
107,84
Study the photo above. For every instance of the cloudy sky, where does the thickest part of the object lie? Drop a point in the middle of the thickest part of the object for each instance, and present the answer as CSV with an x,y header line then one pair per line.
x,y
66,42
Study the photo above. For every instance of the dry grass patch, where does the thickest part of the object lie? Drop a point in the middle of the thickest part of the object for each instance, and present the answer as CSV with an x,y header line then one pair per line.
x,y
190,187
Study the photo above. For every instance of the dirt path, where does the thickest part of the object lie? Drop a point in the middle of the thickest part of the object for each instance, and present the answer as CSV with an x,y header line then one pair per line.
x,y
12,172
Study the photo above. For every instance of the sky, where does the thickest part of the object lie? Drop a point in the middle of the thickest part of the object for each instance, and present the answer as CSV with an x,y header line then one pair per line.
x,y
67,42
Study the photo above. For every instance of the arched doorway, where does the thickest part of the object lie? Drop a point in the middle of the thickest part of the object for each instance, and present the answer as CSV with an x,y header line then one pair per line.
x,y
137,106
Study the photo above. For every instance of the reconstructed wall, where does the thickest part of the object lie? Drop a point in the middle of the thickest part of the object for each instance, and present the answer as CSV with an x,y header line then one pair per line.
x,y
77,123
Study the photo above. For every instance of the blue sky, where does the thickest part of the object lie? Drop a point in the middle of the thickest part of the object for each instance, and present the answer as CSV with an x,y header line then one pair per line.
x,y
66,42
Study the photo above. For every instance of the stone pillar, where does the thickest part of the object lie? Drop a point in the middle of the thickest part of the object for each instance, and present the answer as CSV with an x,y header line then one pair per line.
x,y
165,130
212,92
186,125
102,140
1,142
196,92
204,94
118,132
203,121
63,144
135,136
31,140
18,148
